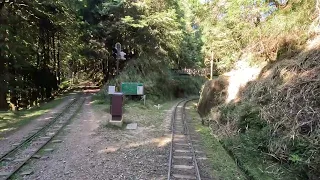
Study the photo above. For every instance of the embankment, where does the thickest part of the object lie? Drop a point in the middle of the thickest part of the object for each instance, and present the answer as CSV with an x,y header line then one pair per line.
x,y
271,125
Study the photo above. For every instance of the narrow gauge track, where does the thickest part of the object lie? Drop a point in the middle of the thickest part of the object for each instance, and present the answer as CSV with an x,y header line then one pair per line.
x,y
182,160
12,161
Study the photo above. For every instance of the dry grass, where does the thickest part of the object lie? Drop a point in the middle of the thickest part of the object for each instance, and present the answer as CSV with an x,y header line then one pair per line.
x,y
287,97
223,90
213,93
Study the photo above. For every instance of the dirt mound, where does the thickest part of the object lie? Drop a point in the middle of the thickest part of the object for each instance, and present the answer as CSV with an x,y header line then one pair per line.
x,y
225,88
213,93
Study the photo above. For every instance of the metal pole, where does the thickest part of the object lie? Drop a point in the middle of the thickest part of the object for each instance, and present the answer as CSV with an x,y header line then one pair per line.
x,y
211,65
117,66
118,47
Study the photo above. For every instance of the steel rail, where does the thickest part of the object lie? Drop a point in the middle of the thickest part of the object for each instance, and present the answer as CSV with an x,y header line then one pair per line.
x,y
45,143
173,117
186,132
79,99
31,137
192,149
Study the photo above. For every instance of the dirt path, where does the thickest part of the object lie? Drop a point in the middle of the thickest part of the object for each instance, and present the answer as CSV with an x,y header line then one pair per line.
x,y
90,150
7,142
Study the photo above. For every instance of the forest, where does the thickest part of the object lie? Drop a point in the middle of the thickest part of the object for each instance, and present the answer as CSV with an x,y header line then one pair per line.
x,y
48,45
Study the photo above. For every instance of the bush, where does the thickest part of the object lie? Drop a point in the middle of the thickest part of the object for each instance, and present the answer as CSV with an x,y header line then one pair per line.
x,y
159,83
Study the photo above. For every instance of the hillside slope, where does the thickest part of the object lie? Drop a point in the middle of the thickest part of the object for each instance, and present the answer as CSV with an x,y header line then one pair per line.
x,y
272,126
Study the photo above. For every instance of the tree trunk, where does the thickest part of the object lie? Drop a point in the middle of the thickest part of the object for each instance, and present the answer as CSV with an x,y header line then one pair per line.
x,y
3,63
109,70
47,48
3,85
3,100
58,59
54,53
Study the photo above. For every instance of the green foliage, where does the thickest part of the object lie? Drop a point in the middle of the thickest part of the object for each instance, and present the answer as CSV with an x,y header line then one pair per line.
x,y
156,78
250,147
262,152
11,121
267,143
222,164
39,47
46,43
189,85
249,118
156,36
234,28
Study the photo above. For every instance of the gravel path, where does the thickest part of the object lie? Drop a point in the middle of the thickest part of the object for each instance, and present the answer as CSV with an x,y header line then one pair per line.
x,y
90,150
8,140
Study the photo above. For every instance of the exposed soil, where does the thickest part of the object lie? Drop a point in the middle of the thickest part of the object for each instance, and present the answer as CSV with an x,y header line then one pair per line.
x,y
92,150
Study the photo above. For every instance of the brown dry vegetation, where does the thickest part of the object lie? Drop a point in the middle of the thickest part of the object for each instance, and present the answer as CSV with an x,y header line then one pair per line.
x,y
282,107
288,95
213,93
272,126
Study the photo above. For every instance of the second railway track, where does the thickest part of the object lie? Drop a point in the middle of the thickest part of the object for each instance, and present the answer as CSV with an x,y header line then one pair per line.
x,y
12,161
182,160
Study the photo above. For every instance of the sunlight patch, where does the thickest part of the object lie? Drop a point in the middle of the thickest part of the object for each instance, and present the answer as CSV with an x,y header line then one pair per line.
x,y
7,129
109,149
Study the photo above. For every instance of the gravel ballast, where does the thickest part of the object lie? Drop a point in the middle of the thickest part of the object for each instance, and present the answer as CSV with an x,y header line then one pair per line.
x,y
92,150
7,141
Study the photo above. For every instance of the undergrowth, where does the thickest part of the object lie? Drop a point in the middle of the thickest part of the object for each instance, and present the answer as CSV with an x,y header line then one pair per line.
x,y
272,127
159,83
13,120
250,146
222,164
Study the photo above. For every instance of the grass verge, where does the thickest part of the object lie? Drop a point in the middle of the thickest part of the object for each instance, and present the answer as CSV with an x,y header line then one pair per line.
x,y
135,111
149,115
222,165
13,120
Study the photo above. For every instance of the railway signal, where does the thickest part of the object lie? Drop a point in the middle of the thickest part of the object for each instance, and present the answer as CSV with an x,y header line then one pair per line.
x,y
118,55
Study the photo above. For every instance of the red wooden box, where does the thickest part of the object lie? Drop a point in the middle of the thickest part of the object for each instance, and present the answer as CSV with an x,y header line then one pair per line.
x,y
116,109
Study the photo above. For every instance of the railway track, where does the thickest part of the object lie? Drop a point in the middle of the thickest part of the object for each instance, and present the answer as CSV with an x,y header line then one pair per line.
x,y
12,161
182,160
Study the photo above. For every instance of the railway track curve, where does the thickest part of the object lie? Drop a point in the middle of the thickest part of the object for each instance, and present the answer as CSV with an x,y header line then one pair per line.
x,y
182,159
